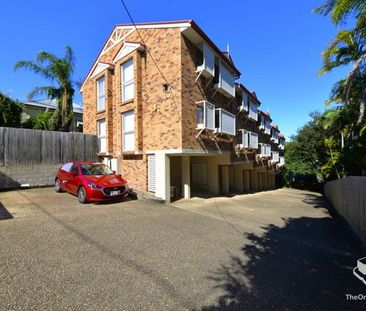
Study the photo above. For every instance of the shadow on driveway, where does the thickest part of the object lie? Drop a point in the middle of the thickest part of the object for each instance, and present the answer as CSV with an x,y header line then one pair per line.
x,y
305,265
4,213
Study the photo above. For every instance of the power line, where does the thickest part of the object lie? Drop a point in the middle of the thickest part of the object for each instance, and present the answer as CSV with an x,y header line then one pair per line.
x,y
143,41
169,90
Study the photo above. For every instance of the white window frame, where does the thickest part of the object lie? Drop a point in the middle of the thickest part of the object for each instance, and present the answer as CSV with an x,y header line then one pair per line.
x,y
128,83
101,94
129,131
101,136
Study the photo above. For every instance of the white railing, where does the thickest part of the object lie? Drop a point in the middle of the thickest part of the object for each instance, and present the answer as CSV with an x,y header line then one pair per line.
x,y
226,122
253,140
243,141
226,83
275,156
253,111
205,115
207,69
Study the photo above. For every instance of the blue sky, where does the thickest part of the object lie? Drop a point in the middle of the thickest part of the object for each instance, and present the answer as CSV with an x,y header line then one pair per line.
x,y
276,45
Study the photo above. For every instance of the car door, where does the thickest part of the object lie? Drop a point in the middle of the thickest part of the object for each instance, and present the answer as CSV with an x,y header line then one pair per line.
x,y
65,175
73,182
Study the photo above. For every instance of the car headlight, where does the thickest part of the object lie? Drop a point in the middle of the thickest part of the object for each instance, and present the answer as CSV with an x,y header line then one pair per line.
x,y
94,186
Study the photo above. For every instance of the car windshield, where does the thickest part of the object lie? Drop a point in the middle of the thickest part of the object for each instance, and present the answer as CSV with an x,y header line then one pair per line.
x,y
95,169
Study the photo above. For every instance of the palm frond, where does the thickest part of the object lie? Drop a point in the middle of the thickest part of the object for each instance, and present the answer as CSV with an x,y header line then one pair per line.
x,y
50,91
34,67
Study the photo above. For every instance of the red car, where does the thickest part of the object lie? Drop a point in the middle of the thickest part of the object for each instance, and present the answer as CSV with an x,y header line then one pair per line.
x,y
91,182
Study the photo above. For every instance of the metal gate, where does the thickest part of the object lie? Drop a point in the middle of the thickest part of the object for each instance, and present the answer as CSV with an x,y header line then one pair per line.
x,y
151,181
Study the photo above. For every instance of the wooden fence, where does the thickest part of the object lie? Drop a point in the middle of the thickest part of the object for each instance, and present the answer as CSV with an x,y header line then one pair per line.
x,y
348,197
32,156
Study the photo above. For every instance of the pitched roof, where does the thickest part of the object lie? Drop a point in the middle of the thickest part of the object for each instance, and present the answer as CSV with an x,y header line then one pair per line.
x,y
51,104
252,94
166,24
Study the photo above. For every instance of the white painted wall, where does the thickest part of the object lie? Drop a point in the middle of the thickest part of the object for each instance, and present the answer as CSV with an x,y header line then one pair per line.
x,y
162,166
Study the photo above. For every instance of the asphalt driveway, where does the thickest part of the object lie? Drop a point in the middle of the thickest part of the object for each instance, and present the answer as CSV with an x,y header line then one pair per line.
x,y
272,250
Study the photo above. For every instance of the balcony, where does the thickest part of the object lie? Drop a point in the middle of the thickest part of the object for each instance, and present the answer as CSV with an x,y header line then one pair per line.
x,y
253,140
253,111
264,150
242,138
205,112
207,69
225,122
275,156
226,82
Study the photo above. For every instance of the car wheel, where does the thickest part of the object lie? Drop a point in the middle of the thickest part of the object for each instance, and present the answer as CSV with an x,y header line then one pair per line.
x,y
58,185
82,195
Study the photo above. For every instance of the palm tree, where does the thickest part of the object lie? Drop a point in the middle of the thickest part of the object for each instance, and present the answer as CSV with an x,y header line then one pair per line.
x,y
348,47
59,71
339,10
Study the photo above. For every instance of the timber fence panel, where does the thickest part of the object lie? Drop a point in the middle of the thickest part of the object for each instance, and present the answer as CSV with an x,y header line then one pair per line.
x,y
33,156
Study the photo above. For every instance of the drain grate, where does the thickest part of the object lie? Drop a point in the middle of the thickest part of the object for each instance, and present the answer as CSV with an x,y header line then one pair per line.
x,y
4,214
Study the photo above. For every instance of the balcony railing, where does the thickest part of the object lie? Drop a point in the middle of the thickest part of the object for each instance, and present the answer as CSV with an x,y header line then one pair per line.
x,y
225,122
226,82
253,111
205,115
207,69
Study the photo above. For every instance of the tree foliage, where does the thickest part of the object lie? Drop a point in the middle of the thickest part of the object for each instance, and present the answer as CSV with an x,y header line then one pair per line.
x,y
306,154
59,71
345,118
10,111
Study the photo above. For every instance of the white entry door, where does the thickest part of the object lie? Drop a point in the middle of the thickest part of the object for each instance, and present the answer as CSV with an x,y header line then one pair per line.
x,y
151,180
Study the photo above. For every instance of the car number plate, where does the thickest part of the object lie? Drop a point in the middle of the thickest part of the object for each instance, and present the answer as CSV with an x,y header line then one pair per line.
x,y
114,192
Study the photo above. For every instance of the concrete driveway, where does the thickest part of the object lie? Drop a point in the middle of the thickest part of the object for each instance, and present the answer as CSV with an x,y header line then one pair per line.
x,y
272,250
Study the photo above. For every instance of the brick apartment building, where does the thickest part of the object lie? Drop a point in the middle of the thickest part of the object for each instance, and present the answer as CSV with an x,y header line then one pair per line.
x,y
184,125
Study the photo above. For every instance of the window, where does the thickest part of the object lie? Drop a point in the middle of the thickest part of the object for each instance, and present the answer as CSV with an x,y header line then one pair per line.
x,y
253,140
101,94
128,131
205,113
226,81
102,139
208,67
253,111
127,81
67,167
200,117
245,102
